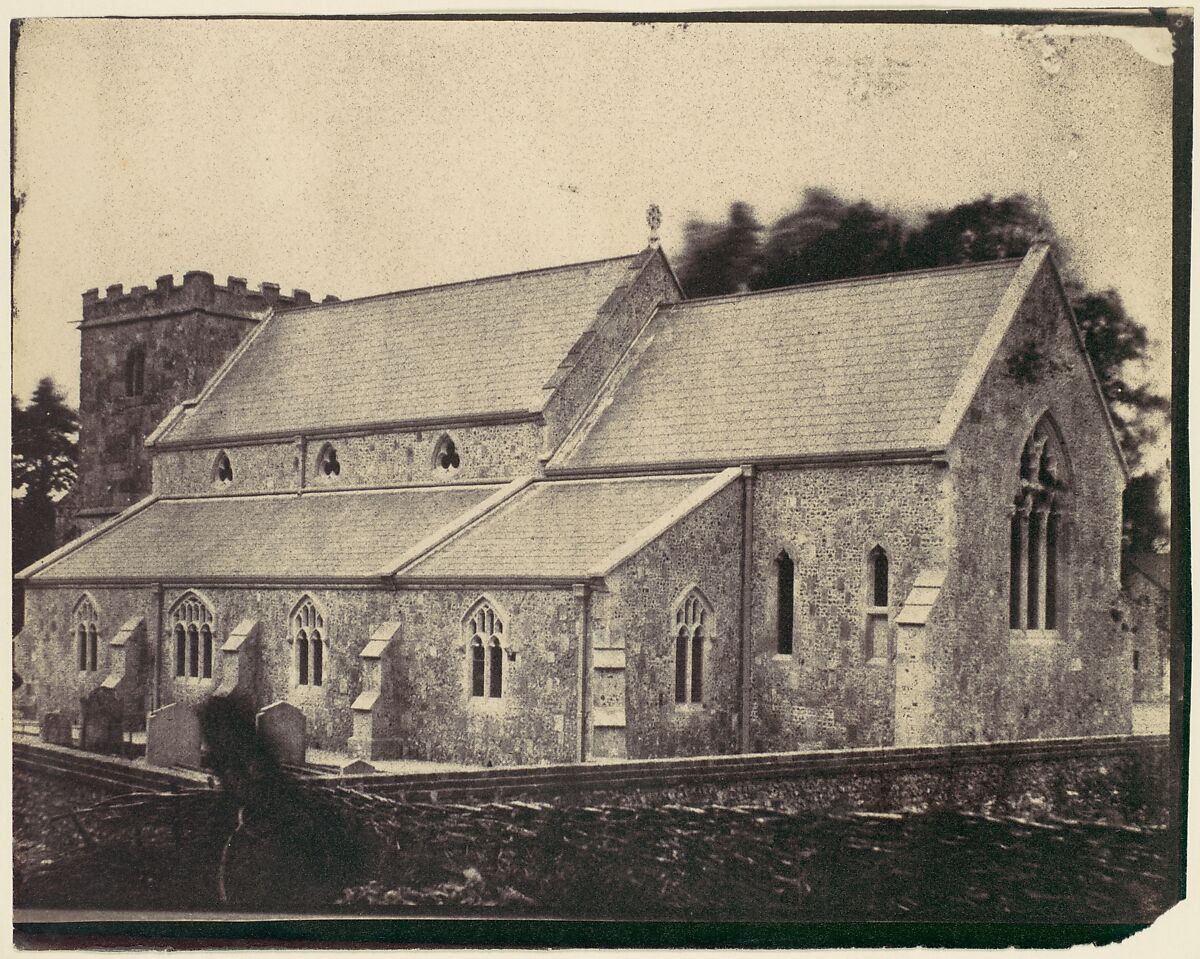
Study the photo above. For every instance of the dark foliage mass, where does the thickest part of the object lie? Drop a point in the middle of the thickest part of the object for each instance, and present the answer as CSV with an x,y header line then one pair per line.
x,y
827,238
44,454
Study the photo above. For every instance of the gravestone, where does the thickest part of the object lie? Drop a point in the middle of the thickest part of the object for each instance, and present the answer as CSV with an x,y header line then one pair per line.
x,y
56,729
102,722
283,726
173,736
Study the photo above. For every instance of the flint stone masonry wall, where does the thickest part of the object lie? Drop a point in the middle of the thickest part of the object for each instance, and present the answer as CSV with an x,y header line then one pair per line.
x,y
989,682
385,458
45,651
1149,625
828,519
579,377
704,549
536,721
182,352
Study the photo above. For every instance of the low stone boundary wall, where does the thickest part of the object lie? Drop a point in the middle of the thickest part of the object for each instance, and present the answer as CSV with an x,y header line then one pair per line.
x,y
1065,774
111,774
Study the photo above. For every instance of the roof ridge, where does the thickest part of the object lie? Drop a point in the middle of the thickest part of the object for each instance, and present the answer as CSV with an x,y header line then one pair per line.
x,y
869,278
469,282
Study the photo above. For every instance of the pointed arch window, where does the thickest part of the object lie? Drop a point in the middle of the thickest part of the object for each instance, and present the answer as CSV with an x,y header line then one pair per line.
x,y
785,575
486,640
691,625
328,466
308,638
222,472
1036,530
445,454
192,625
86,633
877,638
135,371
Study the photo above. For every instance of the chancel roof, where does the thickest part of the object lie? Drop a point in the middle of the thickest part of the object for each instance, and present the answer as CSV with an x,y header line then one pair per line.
x,y
482,347
854,366
566,529
316,536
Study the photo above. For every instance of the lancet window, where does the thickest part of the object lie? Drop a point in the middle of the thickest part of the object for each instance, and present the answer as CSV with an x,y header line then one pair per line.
x,y
1036,531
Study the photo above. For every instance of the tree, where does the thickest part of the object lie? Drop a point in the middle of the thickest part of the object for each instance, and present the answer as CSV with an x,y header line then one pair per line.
x,y
44,453
828,239
984,229
825,238
722,257
1145,528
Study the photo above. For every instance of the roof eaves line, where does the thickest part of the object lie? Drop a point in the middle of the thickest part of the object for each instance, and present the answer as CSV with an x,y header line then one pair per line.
x,y
214,379
67,548
311,491
873,278
229,579
487,579
976,367
652,531
460,522
912,455
502,417
470,282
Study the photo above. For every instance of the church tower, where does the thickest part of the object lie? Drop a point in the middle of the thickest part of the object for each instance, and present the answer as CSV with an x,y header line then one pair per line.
x,y
141,353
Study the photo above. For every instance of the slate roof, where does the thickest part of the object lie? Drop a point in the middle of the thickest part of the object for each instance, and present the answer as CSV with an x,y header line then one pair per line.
x,y
482,346
275,537
557,529
1155,567
862,365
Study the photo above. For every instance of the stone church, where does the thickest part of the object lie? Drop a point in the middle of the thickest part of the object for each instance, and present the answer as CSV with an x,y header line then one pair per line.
x,y
570,514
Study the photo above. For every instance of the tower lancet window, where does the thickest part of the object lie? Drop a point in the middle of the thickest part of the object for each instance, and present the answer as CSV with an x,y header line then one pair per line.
x,y
135,371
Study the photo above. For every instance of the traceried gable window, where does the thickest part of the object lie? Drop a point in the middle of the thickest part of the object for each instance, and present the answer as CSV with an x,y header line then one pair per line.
x,y
86,632
328,466
192,628
486,645
308,639
1036,530
445,454
692,624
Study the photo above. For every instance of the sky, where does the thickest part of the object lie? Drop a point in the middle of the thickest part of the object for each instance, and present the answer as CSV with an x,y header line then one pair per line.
x,y
362,157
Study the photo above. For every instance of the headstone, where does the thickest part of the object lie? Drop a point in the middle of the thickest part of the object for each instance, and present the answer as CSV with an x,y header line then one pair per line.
x,y
283,726
102,722
358,767
56,729
173,736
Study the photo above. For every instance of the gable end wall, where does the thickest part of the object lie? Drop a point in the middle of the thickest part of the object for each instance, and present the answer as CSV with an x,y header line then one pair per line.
x,y
992,683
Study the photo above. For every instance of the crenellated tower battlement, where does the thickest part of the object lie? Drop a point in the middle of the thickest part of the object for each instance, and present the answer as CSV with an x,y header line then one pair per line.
x,y
197,292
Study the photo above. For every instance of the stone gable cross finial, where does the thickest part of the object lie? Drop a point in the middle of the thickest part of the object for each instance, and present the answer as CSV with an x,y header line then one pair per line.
x,y
654,219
